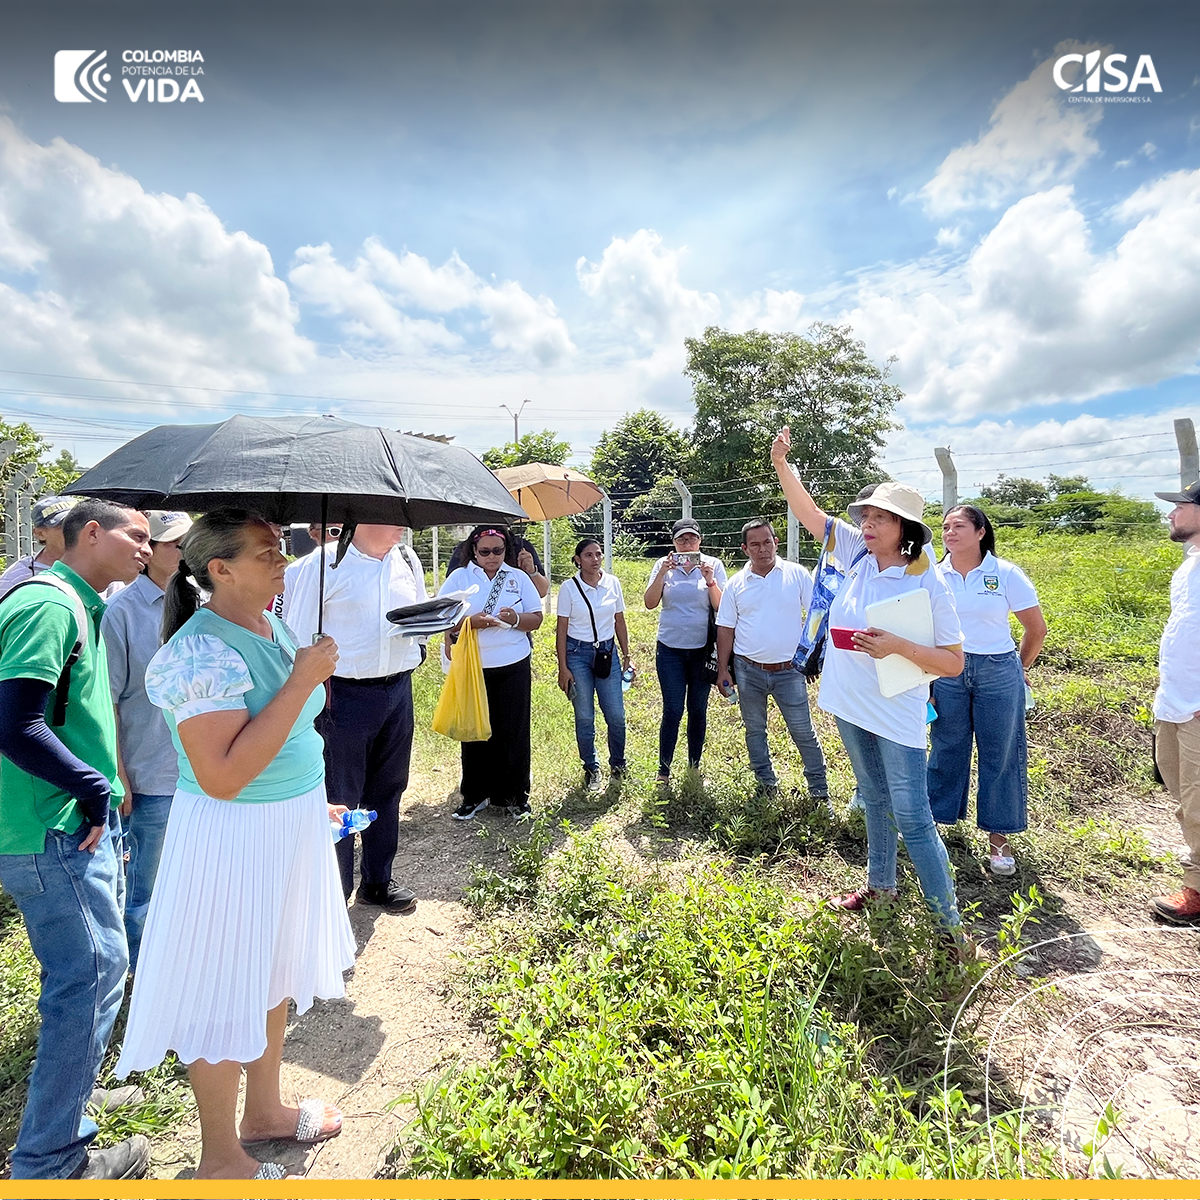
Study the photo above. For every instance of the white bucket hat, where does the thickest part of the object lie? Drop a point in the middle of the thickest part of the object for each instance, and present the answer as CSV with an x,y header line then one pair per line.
x,y
898,498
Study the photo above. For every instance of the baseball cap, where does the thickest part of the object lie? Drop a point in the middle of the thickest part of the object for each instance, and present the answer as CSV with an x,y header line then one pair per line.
x,y
51,511
684,525
168,526
1189,495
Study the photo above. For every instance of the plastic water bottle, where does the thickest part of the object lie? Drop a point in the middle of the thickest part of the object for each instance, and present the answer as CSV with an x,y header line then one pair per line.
x,y
352,822
627,679
1028,698
730,694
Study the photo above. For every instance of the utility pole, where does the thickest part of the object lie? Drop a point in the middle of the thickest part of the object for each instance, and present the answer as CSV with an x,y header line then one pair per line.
x,y
516,416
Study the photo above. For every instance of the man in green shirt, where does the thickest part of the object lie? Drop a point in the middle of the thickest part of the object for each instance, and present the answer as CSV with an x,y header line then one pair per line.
x,y
60,836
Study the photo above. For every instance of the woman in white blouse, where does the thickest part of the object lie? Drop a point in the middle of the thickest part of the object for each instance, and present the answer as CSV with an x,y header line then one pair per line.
x,y
986,703
591,617
504,607
884,736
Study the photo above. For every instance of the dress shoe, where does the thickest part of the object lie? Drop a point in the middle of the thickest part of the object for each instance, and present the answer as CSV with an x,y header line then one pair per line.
x,y
394,896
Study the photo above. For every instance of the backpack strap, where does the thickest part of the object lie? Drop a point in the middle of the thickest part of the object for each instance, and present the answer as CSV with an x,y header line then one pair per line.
x,y
63,688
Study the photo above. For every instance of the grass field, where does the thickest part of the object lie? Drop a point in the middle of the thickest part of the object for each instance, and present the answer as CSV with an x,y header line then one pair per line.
x,y
661,989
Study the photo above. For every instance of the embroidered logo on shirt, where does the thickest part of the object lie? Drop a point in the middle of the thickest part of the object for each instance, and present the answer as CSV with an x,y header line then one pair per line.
x,y
991,582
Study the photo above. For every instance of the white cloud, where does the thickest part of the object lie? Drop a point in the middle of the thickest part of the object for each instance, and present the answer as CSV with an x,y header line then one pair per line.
x,y
1034,139
775,312
105,279
637,282
949,237
1034,315
370,297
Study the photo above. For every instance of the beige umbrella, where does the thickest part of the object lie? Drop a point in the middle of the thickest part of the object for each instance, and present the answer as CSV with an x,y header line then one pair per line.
x,y
545,491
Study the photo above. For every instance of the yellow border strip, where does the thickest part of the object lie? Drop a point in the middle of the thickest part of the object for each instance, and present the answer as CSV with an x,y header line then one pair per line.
x,y
504,1189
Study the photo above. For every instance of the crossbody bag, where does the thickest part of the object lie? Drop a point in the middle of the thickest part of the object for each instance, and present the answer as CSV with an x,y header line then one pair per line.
x,y
603,659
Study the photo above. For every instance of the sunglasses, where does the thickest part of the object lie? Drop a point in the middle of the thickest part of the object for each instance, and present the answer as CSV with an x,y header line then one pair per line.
x,y
482,552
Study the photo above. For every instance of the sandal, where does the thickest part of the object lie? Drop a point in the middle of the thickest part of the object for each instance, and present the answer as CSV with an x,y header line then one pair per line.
x,y
861,899
1003,863
271,1171
311,1127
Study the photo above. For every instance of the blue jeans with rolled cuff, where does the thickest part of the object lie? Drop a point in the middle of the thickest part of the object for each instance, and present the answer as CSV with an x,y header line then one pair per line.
x,y
145,830
984,707
791,694
683,682
71,901
891,786
589,689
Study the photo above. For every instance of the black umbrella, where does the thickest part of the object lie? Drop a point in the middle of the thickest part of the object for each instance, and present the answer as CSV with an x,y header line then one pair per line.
x,y
314,469
319,469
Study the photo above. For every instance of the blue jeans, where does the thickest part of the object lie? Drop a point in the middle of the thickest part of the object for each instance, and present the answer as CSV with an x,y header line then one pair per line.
x,y
790,690
71,902
984,705
682,681
580,656
891,786
144,831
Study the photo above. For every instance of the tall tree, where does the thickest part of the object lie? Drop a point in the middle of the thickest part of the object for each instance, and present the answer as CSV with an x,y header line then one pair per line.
x,y
543,446
637,452
823,384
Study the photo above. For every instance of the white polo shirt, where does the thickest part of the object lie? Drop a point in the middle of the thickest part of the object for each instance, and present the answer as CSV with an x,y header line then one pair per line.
x,y
1178,697
606,598
766,612
985,598
849,682
497,647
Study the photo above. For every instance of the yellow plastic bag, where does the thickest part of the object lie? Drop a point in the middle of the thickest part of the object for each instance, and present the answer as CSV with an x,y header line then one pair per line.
x,y
462,709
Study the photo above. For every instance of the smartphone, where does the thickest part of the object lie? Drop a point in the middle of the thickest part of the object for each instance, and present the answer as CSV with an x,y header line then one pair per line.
x,y
572,691
688,559
842,638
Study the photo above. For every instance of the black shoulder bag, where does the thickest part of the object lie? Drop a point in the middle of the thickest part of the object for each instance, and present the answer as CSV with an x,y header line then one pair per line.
x,y
602,661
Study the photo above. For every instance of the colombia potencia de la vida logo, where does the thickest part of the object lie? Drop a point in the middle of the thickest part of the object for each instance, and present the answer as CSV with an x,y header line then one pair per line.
x,y
1107,75
148,76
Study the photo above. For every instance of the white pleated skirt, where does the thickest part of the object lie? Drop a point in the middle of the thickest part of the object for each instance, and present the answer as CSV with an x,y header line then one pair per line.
x,y
247,912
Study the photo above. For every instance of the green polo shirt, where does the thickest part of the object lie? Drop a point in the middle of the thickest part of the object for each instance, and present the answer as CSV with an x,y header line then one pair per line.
x,y
37,633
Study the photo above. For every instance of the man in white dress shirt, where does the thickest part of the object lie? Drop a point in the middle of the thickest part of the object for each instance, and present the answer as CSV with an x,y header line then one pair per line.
x,y
1177,704
759,623
368,726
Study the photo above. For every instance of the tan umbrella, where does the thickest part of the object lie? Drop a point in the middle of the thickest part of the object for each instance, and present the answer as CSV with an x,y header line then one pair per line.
x,y
545,491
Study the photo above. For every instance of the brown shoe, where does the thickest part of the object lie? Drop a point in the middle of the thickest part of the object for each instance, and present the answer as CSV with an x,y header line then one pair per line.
x,y
1182,908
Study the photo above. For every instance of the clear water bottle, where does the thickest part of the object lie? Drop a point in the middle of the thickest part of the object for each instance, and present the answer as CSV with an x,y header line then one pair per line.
x,y
352,822
1029,702
730,693
627,679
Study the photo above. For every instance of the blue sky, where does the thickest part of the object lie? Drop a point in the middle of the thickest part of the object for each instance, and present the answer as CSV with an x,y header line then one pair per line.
x,y
421,212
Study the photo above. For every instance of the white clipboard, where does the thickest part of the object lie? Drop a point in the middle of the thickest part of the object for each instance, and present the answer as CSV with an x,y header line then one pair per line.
x,y
908,616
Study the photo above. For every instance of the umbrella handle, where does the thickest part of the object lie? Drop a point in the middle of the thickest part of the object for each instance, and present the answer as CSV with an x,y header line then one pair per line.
x,y
321,565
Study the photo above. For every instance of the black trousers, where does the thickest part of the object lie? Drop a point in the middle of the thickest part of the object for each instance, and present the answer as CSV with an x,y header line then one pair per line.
x,y
368,732
498,769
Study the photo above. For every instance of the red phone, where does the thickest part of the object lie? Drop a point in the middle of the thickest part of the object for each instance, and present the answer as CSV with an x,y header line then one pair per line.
x,y
842,637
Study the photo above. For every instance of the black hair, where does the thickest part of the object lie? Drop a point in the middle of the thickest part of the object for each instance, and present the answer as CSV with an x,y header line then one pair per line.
x,y
220,534
756,523
978,518
582,545
106,514
912,539
501,531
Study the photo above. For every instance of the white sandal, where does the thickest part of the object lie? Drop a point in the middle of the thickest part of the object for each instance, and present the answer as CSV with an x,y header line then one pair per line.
x,y
1002,864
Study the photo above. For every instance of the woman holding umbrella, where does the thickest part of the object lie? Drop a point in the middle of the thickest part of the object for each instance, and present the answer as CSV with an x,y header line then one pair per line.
x,y
247,912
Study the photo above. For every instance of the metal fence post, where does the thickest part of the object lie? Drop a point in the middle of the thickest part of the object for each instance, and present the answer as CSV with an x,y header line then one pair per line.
x,y
12,510
1189,459
436,564
685,495
30,490
608,535
949,477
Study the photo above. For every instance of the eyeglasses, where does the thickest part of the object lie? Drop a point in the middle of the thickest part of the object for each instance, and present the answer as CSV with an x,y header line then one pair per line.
x,y
482,552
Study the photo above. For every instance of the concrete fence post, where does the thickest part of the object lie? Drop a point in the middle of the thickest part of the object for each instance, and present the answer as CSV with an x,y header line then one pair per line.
x,y
949,477
685,496
608,532
1189,460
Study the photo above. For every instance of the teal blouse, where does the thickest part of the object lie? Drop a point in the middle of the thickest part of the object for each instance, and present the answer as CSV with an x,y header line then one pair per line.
x,y
213,665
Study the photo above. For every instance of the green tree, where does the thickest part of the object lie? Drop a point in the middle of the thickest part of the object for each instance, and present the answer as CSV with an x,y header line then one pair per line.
x,y
1097,512
637,452
543,447
1016,492
823,384
1061,485
32,447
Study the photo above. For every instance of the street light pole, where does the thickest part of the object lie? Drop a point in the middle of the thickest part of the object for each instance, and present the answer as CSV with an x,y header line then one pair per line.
x,y
516,417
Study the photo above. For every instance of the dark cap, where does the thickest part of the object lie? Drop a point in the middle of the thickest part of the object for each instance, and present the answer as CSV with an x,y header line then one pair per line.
x,y
684,525
51,511
1189,495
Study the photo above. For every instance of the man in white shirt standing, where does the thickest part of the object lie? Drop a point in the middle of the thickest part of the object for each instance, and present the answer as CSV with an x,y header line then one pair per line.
x,y
368,726
759,623
1177,704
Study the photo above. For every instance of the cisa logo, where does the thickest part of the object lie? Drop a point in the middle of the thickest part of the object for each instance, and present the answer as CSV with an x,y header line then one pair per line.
x,y
80,76
1116,80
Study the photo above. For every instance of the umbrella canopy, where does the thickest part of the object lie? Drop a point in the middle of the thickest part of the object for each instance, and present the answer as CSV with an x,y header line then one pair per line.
x,y
546,491
307,470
